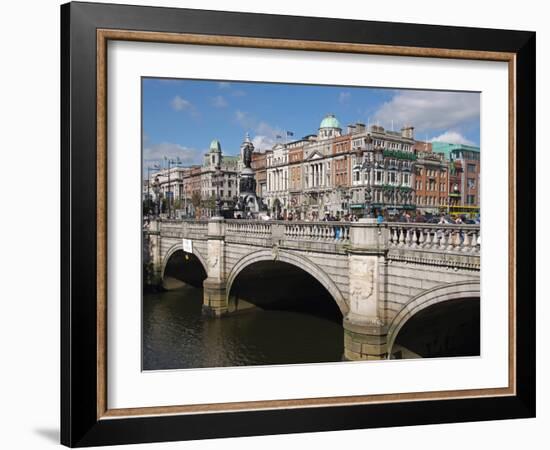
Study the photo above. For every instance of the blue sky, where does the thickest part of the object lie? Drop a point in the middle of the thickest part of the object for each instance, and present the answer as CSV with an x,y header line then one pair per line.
x,y
181,117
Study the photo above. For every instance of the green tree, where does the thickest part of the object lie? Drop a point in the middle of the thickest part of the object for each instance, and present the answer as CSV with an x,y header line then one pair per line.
x,y
209,203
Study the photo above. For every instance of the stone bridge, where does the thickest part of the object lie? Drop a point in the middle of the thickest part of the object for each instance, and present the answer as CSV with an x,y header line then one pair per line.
x,y
379,275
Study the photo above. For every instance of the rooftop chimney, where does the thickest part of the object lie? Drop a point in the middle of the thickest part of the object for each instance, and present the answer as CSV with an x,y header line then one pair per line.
x,y
407,132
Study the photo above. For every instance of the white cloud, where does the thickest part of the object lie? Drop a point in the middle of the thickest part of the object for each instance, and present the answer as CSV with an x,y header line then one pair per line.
x,y
180,104
265,128
452,137
265,134
230,90
153,154
344,97
430,110
219,101
263,142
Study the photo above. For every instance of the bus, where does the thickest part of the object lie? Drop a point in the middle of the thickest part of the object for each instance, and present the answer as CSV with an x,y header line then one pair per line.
x,y
459,210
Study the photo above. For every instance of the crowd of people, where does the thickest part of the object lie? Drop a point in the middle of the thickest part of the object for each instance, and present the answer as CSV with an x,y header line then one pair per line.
x,y
381,217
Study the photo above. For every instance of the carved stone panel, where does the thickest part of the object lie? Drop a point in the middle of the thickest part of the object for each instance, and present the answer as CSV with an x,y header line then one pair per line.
x,y
215,259
363,289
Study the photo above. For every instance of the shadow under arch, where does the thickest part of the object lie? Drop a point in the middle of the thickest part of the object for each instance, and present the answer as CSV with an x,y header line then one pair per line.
x,y
294,260
186,267
447,293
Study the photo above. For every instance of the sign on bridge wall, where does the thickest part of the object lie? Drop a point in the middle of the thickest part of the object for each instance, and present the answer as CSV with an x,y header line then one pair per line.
x,y
187,245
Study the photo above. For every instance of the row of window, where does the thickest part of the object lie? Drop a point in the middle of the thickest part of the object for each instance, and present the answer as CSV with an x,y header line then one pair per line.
x,y
222,193
430,200
382,177
390,145
392,162
341,147
431,172
431,185
277,160
277,182
295,157
207,183
378,197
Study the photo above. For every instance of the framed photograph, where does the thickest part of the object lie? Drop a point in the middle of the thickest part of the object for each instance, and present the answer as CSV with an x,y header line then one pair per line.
x,y
278,224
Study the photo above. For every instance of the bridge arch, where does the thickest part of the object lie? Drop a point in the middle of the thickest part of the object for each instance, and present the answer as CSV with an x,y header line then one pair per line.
x,y
174,249
439,294
295,260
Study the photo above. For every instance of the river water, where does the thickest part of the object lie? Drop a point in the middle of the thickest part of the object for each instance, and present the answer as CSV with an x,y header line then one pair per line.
x,y
177,336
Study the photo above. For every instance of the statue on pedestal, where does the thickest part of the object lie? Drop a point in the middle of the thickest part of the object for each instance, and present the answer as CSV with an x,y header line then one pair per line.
x,y
248,202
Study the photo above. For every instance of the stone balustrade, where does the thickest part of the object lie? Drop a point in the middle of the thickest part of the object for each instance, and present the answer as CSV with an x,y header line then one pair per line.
x,y
436,237
246,228
447,238
336,232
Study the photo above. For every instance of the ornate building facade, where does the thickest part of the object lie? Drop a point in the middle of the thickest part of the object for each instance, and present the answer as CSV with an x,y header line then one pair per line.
x,y
196,188
357,172
464,163
339,173
431,182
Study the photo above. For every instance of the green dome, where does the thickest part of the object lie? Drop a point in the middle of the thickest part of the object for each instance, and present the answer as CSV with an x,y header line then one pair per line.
x,y
330,121
215,146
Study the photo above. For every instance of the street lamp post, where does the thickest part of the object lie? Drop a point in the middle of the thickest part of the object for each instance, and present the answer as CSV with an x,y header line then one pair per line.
x,y
156,190
185,200
367,164
218,197
394,198
149,170
218,210
174,163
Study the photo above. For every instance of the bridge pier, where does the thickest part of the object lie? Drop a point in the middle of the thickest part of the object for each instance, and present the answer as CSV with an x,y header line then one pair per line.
x,y
215,285
214,298
364,331
152,259
364,341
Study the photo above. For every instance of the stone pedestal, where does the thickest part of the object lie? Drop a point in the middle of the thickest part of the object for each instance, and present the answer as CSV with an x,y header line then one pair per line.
x,y
248,204
247,183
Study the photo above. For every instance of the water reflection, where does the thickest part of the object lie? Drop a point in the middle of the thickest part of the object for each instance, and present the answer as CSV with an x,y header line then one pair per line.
x,y
177,336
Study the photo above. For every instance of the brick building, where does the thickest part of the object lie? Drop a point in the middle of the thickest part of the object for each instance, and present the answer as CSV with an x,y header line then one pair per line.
x,y
431,182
